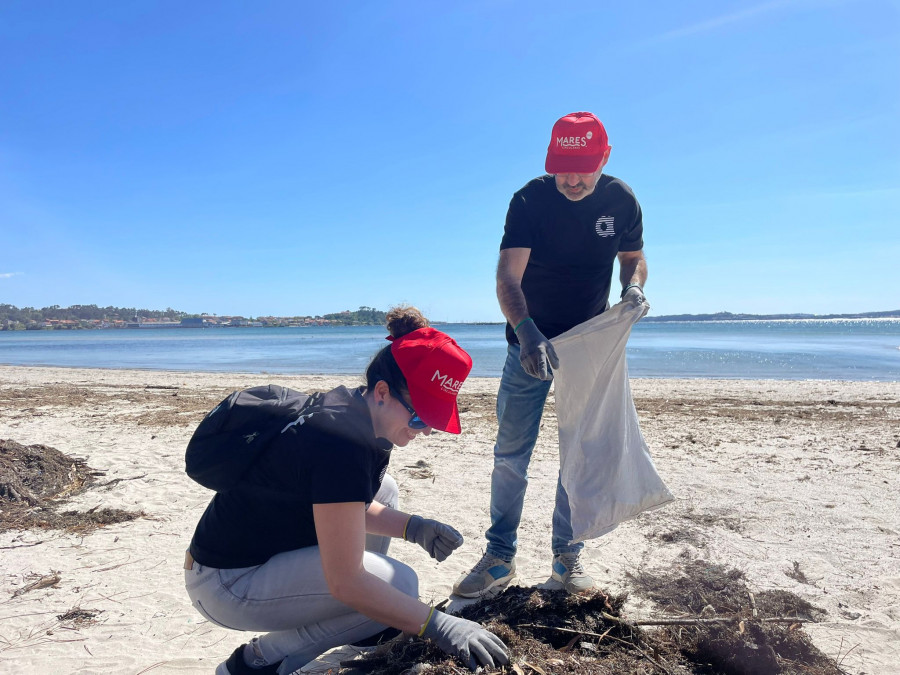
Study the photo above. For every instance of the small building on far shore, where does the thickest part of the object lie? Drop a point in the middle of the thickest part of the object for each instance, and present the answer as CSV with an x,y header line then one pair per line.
x,y
193,322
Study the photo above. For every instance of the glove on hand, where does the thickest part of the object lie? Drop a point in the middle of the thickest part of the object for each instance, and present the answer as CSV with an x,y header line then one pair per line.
x,y
466,640
438,539
634,296
537,354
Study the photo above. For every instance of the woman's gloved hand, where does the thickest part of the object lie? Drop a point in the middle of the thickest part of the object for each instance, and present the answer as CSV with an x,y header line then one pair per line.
x,y
438,539
470,642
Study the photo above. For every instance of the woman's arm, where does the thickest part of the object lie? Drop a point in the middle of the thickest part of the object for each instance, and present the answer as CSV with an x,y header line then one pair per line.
x,y
385,521
438,539
341,531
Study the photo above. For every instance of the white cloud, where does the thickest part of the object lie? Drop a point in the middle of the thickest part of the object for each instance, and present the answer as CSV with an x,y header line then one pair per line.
x,y
726,19
7,275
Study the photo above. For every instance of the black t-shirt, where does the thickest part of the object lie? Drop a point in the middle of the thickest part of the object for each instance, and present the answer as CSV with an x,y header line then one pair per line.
x,y
573,248
332,457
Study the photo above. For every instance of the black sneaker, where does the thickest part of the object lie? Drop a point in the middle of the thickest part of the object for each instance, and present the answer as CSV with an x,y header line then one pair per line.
x,y
234,665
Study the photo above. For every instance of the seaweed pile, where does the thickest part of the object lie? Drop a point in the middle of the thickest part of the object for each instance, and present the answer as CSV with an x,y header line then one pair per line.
x,y
36,480
713,625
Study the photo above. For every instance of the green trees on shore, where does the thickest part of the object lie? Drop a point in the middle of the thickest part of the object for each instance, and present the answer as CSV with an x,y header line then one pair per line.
x,y
83,313
92,316
364,316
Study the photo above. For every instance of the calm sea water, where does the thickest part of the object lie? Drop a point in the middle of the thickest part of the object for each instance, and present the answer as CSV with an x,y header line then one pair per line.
x,y
783,350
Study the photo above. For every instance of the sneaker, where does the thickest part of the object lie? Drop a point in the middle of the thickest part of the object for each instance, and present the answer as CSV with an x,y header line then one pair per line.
x,y
235,665
490,574
568,571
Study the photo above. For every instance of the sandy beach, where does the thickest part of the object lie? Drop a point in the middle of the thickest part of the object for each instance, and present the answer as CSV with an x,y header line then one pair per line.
x,y
794,483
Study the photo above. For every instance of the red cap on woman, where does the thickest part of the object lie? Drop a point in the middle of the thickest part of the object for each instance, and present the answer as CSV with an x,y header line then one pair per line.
x,y
435,368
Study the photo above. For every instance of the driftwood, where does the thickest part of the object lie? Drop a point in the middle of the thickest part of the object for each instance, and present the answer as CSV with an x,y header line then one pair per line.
x,y
44,582
691,621
671,622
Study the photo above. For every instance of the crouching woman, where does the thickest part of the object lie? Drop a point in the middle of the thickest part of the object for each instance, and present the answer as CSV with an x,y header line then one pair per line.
x,y
298,548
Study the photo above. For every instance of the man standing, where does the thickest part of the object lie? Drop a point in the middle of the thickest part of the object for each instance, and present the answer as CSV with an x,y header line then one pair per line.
x,y
563,233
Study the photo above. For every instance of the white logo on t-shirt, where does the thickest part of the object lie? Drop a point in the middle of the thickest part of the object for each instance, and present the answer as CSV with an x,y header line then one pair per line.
x,y
604,226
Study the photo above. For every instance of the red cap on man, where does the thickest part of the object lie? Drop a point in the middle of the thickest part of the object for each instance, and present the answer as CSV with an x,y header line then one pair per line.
x,y
577,144
435,368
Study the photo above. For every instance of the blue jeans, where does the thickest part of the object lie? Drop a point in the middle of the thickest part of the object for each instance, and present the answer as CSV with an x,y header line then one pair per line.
x,y
520,404
289,597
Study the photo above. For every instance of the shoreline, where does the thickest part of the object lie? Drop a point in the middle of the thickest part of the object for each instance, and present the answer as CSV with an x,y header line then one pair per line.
x,y
664,318
793,483
242,375
805,319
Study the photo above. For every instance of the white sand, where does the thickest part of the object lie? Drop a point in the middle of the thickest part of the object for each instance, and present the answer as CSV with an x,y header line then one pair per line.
x,y
766,474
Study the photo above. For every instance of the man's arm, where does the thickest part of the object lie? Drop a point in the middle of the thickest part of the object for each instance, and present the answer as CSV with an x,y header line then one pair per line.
x,y
537,354
633,275
632,268
510,270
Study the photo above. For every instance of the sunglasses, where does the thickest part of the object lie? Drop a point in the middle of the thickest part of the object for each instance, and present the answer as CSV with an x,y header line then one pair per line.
x,y
415,422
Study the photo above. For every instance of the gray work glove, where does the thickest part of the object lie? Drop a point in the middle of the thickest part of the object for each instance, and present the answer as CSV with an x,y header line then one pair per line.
x,y
536,354
633,295
468,641
438,539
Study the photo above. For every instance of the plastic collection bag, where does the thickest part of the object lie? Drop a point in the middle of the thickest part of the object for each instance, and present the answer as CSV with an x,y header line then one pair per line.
x,y
605,464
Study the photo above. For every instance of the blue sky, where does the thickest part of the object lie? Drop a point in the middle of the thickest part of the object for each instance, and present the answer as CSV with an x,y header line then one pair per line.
x,y
301,158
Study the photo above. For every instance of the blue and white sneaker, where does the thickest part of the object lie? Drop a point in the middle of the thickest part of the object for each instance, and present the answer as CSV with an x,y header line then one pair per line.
x,y
567,570
490,575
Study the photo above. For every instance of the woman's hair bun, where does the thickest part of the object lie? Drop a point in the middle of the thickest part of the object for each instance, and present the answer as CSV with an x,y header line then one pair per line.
x,y
404,319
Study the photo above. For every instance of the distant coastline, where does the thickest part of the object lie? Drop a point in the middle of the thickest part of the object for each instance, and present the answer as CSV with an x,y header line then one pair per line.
x,y
81,317
728,316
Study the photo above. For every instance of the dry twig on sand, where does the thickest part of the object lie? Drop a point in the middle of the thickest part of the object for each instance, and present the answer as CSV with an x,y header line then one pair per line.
x,y
46,581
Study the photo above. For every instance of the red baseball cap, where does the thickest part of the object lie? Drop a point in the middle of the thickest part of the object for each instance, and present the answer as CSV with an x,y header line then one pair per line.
x,y
435,368
577,144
